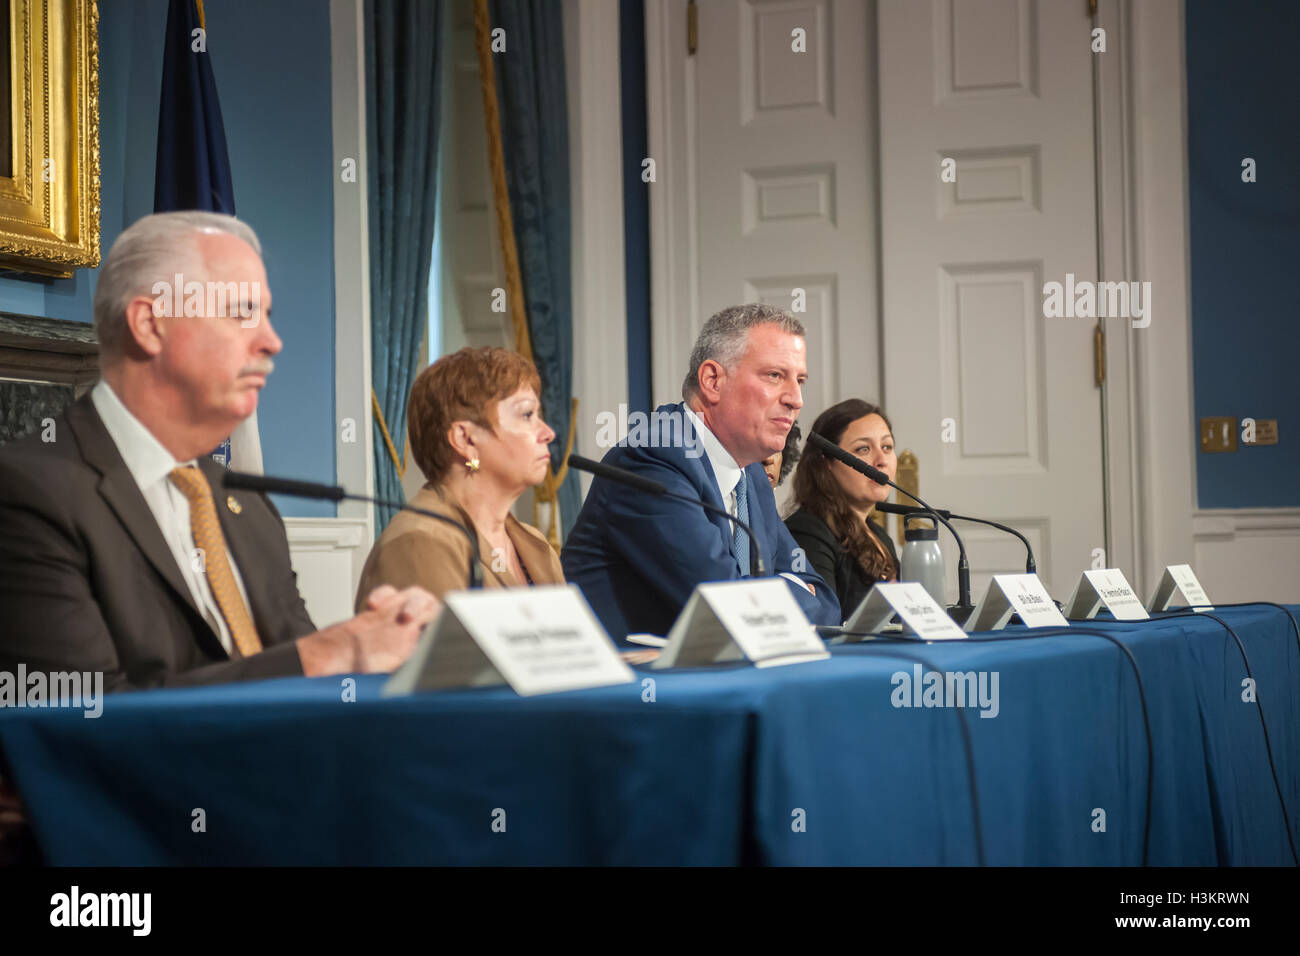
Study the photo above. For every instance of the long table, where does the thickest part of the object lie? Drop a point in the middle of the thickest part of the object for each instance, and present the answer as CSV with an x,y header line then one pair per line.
x,y
811,763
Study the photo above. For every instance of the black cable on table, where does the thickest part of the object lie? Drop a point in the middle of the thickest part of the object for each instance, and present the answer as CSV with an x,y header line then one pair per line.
x,y
1295,628
969,747
1268,747
1142,696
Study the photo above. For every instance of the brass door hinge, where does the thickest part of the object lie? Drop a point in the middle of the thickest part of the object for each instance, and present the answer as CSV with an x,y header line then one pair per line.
x,y
1092,8
1099,355
692,28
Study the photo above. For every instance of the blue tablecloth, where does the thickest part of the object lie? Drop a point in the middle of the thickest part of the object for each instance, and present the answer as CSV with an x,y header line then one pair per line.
x,y
805,764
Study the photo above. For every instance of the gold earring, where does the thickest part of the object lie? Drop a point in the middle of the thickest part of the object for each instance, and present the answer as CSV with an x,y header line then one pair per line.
x,y
472,464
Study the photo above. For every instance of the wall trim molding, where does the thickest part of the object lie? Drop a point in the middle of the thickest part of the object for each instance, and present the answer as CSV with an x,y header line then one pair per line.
x,y
1112,105
591,39
328,555
325,534
1142,179
1247,554
670,129
1218,523
354,468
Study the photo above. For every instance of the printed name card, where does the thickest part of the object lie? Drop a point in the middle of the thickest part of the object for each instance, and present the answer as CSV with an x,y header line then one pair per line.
x,y
1108,587
1179,581
1021,594
540,640
757,618
913,604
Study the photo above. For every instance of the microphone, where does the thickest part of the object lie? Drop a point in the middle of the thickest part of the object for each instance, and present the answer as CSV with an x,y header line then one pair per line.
x,y
889,508
309,489
622,476
964,606
1031,566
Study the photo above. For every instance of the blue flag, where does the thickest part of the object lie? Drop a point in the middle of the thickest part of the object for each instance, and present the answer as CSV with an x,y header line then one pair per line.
x,y
193,168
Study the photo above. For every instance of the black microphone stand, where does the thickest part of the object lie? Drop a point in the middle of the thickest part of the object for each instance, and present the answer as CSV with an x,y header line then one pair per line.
x,y
1030,566
887,507
310,489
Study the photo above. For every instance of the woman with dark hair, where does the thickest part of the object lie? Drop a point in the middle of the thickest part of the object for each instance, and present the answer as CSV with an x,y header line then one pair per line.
x,y
832,504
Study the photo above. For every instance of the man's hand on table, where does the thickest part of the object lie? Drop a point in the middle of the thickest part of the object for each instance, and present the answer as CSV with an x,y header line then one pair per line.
x,y
376,640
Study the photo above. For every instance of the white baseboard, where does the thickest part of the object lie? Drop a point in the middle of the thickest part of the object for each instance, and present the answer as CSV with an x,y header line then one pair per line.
x,y
1248,554
327,555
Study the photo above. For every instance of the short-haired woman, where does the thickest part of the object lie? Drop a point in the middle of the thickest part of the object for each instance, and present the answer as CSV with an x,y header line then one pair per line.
x,y
477,434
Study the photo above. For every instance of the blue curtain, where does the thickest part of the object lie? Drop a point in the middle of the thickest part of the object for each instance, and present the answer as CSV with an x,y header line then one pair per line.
x,y
535,136
402,101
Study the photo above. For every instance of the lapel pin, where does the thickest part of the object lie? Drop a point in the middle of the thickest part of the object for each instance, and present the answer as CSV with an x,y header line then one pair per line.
x,y
233,504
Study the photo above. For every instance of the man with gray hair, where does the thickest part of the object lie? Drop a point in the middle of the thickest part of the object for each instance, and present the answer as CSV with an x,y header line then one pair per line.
x,y
120,552
638,557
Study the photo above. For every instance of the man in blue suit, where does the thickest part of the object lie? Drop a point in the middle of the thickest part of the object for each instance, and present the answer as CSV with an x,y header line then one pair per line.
x,y
638,557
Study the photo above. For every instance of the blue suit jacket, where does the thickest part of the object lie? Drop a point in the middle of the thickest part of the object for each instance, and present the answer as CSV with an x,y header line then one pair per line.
x,y
638,557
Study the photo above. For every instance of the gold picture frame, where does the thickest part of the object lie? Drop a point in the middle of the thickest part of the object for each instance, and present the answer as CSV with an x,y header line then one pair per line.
x,y
49,139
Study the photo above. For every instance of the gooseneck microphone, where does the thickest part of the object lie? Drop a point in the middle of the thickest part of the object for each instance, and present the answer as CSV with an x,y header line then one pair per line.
x,y
309,489
622,476
964,606
889,508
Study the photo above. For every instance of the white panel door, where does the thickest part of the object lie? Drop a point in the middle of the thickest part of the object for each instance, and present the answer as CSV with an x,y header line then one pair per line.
x,y
1003,88
765,160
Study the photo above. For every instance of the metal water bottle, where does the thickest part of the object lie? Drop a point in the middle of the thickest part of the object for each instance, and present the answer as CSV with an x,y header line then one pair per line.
x,y
922,560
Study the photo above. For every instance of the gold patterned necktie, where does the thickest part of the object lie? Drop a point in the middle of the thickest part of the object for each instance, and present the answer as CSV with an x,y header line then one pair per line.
x,y
212,544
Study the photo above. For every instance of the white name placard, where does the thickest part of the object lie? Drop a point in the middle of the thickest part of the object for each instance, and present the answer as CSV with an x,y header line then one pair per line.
x,y
913,604
1108,587
757,618
1021,594
1179,581
539,640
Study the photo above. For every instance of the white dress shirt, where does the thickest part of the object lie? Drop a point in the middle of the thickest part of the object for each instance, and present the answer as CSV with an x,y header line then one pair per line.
x,y
727,473
150,465
725,470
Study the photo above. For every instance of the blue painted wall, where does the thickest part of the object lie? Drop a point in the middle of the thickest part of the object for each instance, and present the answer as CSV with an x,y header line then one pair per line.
x,y
272,65
1243,80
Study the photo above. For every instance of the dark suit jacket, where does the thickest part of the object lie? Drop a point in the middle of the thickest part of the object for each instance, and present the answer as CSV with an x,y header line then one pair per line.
x,y
832,560
638,557
87,582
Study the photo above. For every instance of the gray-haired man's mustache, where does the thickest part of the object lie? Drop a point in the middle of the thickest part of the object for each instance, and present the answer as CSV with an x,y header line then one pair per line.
x,y
263,367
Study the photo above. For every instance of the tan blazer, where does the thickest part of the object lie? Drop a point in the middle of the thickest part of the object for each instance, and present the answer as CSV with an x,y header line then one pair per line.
x,y
417,550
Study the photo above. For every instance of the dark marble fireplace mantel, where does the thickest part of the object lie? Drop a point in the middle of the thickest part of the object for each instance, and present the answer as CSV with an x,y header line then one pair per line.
x,y
44,365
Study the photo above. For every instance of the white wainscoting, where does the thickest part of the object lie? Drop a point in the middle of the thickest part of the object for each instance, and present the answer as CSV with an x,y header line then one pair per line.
x,y
1248,554
327,555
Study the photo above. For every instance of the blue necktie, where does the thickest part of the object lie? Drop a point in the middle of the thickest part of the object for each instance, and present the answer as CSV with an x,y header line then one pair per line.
x,y
740,537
